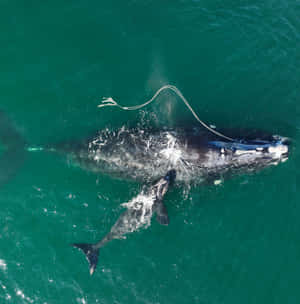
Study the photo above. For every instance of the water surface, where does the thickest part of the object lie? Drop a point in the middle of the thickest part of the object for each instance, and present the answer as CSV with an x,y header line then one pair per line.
x,y
238,65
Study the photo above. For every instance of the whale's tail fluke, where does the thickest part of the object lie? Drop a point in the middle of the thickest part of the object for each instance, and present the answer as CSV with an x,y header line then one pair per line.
x,y
12,149
91,253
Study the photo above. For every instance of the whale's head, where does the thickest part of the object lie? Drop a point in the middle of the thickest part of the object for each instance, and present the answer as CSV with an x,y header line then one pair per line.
x,y
278,150
252,154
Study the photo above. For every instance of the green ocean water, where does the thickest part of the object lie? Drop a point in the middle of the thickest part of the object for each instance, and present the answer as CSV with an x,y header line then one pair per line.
x,y
238,64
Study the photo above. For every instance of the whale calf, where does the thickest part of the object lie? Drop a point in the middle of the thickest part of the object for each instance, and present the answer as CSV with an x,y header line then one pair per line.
x,y
138,214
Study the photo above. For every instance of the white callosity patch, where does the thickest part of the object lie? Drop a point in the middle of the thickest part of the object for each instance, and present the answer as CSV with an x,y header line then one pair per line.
x,y
241,152
278,151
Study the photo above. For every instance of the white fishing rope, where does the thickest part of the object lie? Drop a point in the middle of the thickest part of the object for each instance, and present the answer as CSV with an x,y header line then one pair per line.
x,y
109,102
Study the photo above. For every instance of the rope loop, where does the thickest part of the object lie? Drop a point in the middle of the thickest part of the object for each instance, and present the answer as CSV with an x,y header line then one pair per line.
x,y
106,102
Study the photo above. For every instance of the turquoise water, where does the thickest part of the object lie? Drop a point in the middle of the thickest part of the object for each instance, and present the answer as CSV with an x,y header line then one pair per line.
x,y
237,62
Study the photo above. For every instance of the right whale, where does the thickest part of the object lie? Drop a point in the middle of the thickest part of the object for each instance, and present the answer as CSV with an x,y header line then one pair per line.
x,y
196,155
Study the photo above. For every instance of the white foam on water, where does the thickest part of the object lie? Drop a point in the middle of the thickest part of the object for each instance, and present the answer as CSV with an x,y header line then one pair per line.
x,y
7,295
3,265
21,294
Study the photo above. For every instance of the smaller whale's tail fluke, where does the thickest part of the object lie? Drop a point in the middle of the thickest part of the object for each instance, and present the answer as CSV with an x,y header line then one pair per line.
x,y
91,252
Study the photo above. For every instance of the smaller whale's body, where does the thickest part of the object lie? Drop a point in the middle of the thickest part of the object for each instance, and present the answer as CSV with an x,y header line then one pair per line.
x,y
138,214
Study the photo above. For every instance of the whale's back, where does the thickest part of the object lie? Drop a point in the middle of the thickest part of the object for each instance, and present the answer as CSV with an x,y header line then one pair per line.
x,y
146,155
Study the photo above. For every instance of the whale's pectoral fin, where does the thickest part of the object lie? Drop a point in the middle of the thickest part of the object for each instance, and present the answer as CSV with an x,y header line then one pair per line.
x,y
161,213
160,188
